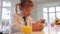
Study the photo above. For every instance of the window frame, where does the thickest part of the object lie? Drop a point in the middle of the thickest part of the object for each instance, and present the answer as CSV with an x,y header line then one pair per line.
x,y
1,20
50,12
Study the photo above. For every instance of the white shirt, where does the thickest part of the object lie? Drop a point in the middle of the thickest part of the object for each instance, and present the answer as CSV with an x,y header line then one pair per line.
x,y
18,21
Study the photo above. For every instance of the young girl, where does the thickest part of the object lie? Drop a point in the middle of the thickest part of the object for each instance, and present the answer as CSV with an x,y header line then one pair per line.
x,y
23,19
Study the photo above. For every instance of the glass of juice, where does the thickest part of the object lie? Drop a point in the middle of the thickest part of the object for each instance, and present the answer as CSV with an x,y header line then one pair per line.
x,y
26,29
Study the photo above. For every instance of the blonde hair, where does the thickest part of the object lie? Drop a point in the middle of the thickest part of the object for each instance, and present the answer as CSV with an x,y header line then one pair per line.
x,y
24,4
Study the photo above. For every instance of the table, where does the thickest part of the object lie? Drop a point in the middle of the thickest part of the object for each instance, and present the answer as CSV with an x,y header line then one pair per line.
x,y
39,32
47,30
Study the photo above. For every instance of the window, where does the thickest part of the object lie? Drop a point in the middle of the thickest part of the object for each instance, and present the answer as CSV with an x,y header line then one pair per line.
x,y
58,15
58,8
51,17
5,11
44,9
51,9
6,4
51,13
45,16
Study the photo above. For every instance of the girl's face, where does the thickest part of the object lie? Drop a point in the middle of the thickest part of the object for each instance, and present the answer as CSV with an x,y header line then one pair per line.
x,y
27,11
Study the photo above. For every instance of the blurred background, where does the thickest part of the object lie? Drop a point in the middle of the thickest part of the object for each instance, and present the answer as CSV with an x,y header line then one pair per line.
x,y
47,9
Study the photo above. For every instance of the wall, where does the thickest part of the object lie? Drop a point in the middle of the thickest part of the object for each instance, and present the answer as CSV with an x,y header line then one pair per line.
x,y
34,13
14,2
